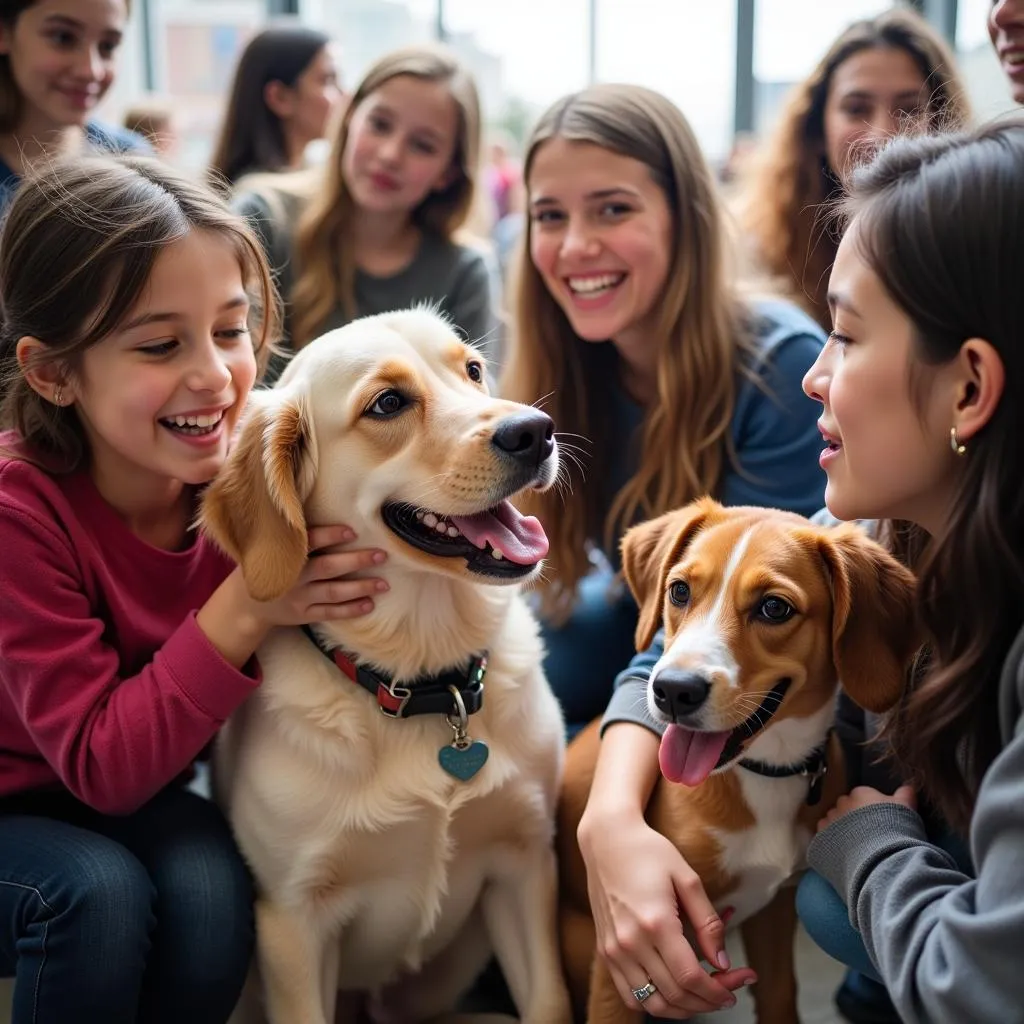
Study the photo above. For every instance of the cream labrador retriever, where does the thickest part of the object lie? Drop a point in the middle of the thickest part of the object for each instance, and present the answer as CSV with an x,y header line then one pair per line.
x,y
393,781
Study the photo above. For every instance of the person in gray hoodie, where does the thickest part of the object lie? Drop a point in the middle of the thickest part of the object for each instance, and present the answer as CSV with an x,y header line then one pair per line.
x,y
921,386
922,415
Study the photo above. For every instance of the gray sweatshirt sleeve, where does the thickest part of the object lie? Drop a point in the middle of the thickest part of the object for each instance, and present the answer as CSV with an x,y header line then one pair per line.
x,y
950,948
629,697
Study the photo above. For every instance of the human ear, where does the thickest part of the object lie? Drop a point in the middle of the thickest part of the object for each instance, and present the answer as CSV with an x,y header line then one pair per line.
x,y
280,99
982,380
47,377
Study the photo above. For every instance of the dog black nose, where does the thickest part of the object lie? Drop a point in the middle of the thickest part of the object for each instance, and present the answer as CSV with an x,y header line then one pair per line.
x,y
528,437
679,692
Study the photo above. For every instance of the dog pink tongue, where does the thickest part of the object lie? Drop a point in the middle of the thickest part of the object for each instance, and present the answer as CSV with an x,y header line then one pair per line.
x,y
690,757
521,539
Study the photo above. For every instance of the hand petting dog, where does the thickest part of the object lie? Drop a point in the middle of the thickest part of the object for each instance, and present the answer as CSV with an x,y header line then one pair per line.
x,y
864,796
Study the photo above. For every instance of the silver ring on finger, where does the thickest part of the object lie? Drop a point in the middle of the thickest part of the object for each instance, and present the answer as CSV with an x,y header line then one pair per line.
x,y
642,994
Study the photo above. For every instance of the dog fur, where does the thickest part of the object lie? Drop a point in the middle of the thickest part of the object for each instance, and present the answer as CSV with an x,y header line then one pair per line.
x,y
744,834
384,885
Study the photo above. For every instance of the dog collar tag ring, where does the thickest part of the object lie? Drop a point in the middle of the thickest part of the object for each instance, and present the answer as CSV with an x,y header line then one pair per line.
x,y
464,756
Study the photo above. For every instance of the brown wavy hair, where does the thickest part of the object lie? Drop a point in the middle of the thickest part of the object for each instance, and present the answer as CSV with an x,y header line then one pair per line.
x,y
941,221
788,183
78,246
701,328
326,266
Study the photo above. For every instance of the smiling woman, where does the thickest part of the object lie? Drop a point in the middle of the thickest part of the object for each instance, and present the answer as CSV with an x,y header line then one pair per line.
x,y
630,330
880,76
58,59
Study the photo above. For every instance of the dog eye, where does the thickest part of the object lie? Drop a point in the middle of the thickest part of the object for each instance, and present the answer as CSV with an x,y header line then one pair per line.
x,y
388,403
679,593
774,609
475,372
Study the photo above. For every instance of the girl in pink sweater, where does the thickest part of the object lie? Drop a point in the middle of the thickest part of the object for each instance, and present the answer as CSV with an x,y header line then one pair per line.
x,y
135,311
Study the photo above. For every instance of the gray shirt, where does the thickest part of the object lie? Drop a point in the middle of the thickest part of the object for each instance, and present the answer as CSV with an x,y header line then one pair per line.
x,y
455,278
949,946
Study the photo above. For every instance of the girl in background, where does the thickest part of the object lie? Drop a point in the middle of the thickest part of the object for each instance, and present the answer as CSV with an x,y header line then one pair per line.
x,y
58,59
135,306
285,91
375,228
886,74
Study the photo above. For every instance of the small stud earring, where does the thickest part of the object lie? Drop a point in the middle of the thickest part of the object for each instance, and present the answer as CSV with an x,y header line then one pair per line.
x,y
954,443
58,395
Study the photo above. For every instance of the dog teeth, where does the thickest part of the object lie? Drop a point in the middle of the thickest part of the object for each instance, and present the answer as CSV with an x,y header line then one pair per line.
x,y
497,555
443,527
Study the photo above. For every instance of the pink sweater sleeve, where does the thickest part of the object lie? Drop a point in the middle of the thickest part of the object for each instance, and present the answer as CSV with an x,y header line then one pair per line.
x,y
114,742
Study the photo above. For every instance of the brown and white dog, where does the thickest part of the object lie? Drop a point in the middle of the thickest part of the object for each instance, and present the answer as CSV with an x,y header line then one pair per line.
x,y
764,615
398,816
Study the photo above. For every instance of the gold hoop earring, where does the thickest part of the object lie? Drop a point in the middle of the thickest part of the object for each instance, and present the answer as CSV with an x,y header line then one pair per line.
x,y
58,395
954,443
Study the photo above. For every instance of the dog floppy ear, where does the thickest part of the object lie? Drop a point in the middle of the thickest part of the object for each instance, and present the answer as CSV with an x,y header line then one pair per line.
x,y
254,507
649,551
874,632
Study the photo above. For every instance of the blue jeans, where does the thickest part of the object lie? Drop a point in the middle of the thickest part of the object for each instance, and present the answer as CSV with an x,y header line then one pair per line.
x,y
586,654
827,920
143,918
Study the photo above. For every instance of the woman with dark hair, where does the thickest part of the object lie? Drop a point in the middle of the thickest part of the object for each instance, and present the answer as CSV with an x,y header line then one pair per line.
x,y
283,95
58,59
921,387
880,76
921,384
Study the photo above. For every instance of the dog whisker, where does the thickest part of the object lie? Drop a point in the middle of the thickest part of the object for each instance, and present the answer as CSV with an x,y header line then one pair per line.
x,y
570,451
539,404
568,433
478,343
563,487
571,459
570,446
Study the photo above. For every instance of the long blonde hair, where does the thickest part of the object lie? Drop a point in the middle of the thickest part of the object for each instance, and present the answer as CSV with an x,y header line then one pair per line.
x,y
326,267
788,184
700,327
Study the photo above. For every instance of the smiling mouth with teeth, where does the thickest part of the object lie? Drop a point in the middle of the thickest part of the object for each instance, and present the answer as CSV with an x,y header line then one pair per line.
x,y
193,426
499,542
596,285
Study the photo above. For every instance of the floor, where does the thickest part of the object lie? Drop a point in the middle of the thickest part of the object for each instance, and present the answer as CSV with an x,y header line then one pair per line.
x,y
818,977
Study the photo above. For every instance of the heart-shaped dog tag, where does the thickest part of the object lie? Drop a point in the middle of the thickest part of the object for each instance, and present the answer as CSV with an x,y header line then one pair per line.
x,y
463,763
